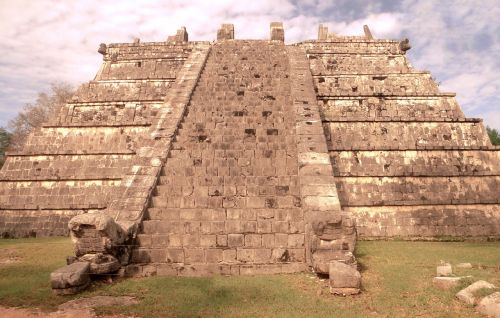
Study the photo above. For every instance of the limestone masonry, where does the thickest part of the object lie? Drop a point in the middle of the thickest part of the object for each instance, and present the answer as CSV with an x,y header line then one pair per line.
x,y
251,156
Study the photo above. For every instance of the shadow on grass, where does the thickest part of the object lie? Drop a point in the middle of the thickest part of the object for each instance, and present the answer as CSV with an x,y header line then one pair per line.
x,y
248,296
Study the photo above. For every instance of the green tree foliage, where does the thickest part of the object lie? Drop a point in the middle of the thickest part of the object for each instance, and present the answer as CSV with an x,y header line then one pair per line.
x,y
5,138
34,115
494,136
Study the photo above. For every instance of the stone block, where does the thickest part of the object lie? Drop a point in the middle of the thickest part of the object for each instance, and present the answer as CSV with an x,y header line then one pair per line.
x,y
280,240
235,240
194,255
229,255
208,240
444,270
226,32
71,278
322,32
296,240
175,255
466,295
280,255
214,255
222,241
166,270
101,263
262,255
277,31
245,255
253,240
344,279
490,305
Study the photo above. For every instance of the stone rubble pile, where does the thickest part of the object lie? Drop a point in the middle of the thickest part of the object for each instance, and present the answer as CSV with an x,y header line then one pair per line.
x,y
488,305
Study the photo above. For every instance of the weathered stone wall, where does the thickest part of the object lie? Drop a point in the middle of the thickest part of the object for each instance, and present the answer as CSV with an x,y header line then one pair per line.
x,y
83,140
407,162
122,90
428,221
435,108
376,85
429,190
329,64
66,167
403,135
141,69
346,45
36,223
82,159
113,113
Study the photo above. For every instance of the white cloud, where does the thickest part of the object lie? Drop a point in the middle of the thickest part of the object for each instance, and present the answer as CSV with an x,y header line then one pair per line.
x,y
458,42
491,118
382,25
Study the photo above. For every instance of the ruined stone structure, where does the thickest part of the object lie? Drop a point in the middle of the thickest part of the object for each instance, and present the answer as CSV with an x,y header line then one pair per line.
x,y
251,156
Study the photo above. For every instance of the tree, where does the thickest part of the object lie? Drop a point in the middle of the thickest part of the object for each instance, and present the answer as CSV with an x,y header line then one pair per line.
x,y
5,137
34,115
494,136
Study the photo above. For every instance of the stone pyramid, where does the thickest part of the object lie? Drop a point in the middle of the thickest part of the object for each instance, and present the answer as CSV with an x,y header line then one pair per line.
x,y
251,156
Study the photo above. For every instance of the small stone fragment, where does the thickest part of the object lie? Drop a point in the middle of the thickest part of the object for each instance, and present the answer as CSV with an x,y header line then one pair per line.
x,y
444,270
101,263
344,280
466,295
102,48
490,305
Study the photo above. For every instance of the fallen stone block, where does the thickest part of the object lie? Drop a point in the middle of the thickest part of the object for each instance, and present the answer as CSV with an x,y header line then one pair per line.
x,y
444,270
466,295
101,263
446,283
322,259
490,305
464,265
344,280
70,279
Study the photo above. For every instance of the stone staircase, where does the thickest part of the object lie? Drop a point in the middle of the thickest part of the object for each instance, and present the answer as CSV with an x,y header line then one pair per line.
x,y
228,199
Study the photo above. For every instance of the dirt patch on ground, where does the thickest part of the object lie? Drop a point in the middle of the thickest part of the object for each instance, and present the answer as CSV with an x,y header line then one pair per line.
x,y
81,308
9,256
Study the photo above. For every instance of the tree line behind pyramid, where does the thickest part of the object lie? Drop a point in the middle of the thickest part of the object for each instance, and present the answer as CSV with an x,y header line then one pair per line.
x,y
240,157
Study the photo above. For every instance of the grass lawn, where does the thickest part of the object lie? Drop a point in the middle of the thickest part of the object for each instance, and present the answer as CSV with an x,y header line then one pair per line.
x,y
396,283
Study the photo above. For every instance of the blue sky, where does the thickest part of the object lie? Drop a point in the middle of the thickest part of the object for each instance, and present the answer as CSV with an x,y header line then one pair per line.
x,y
47,40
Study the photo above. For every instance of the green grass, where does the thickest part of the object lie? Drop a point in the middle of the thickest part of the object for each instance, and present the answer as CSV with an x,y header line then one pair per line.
x,y
397,282
26,282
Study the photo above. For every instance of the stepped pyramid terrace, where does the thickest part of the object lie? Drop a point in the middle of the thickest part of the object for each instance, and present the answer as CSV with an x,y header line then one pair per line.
x,y
241,157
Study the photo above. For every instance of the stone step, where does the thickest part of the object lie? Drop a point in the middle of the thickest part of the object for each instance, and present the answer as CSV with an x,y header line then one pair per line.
x,y
184,214
162,214
159,202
